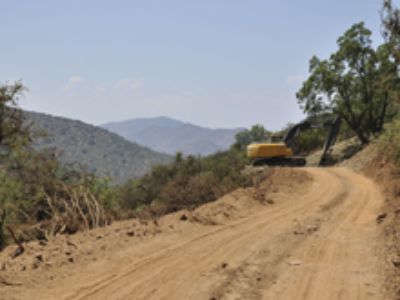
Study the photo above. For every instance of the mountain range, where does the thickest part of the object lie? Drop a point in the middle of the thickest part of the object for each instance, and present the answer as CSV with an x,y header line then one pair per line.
x,y
169,136
100,151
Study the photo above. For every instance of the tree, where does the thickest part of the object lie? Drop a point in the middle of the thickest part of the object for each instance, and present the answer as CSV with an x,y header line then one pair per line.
x,y
257,133
390,16
356,82
13,133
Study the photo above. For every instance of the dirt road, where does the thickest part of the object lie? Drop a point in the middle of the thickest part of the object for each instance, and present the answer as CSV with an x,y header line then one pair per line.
x,y
314,240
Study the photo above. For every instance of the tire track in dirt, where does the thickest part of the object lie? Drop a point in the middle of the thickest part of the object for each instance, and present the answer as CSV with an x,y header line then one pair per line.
x,y
343,262
248,258
264,277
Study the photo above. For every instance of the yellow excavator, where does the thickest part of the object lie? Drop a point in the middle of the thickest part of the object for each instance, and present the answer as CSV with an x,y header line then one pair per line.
x,y
281,154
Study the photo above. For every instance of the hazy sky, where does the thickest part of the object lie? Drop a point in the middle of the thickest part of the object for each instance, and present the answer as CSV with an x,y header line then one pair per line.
x,y
216,63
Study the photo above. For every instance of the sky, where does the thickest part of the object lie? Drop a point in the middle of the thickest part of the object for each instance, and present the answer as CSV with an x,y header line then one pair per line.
x,y
215,63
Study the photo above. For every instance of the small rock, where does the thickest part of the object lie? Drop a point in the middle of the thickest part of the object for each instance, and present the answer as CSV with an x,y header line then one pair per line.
x,y
8,283
183,217
143,222
130,233
39,257
70,259
224,265
17,252
312,228
396,263
270,201
381,217
99,237
35,264
294,263
69,243
42,243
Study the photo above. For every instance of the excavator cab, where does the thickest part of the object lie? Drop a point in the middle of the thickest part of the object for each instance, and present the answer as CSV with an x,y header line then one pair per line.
x,y
280,153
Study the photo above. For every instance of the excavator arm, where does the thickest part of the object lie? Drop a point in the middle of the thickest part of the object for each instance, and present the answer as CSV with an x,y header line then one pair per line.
x,y
333,123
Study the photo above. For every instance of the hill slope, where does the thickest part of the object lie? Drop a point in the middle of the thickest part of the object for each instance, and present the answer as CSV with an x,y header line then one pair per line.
x,y
170,136
103,152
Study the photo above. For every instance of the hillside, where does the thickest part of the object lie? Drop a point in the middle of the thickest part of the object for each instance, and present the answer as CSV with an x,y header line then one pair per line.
x,y
102,152
170,136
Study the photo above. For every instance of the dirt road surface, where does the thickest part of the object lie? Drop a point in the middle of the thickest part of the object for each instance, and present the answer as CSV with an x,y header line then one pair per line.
x,y
307,234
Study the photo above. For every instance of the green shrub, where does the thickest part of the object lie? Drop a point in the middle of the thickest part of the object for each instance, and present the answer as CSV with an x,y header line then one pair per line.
x,y
389,141
186,183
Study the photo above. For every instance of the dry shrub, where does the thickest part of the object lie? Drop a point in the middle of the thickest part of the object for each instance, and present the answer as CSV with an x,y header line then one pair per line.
x,y
76,208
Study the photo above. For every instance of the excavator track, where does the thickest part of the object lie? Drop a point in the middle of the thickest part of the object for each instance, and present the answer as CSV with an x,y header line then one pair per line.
x,y
294,161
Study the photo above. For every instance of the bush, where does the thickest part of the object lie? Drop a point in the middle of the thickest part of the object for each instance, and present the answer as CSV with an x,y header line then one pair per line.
x,y
389,141
187,183
43,197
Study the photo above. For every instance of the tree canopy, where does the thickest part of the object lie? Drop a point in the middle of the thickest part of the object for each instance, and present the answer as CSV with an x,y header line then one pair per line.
x,y
13,133
257,133
390,16
356,82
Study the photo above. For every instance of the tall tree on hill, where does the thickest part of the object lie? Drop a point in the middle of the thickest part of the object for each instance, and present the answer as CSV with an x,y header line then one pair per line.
x,y
356,82
390,16
13,133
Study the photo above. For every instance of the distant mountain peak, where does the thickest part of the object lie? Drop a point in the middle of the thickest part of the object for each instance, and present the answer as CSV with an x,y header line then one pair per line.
x,y
168,135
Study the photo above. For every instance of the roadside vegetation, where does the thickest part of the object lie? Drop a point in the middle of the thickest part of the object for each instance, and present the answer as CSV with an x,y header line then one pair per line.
x,y
389,142
38,195
186,183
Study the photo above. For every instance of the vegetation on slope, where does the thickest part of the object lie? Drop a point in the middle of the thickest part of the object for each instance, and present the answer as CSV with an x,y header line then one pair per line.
x,y
186,183
389,141
103,153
